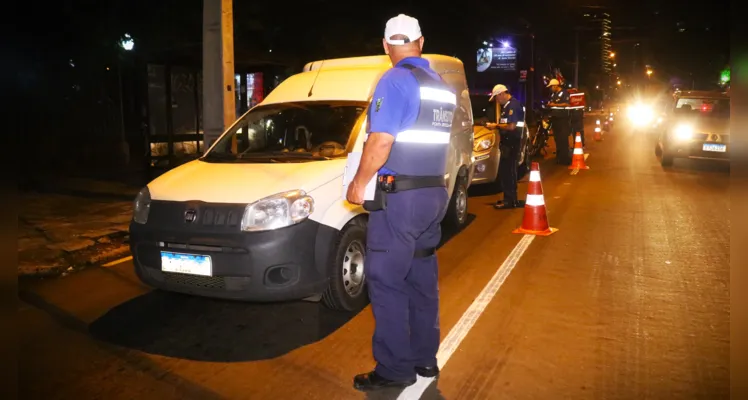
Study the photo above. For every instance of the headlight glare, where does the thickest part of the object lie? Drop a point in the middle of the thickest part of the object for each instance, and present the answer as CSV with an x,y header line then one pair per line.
x,y
277,211
142,206
640,114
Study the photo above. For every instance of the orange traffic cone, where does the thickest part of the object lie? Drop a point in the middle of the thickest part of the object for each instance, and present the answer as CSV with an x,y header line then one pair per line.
x,y
577,162
598,136
535,221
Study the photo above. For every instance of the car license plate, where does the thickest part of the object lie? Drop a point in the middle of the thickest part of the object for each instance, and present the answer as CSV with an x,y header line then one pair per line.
x,y
720,148
193,264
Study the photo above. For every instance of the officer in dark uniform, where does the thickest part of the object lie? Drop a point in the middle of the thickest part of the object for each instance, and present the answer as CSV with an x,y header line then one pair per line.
x,y
577,119
410,120
560,121
511,125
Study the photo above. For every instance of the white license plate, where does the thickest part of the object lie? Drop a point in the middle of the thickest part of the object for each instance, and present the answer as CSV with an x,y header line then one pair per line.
x,y
719,148
193,264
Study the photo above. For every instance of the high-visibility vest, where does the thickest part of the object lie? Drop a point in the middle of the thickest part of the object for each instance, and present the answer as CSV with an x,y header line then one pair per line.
x,y
422,148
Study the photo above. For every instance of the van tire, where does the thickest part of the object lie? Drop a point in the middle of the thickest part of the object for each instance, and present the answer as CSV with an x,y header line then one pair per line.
x,y
457,214
351,244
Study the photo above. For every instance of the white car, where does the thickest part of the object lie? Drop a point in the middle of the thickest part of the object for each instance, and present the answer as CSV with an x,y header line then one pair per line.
x,y
262,216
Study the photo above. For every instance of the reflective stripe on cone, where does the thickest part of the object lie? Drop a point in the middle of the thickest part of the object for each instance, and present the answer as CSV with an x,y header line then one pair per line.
x,y
577,162
535,219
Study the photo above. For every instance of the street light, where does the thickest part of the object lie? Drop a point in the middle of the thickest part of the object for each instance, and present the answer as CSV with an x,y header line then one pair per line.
x,y
612,55
619,83
649,72
127,42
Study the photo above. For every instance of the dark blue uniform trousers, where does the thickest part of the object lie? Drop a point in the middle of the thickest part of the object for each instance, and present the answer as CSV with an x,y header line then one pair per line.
x,y
510,152
404,290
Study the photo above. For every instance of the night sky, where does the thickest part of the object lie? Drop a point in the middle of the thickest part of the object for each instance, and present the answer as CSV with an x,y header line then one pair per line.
x,y
681,38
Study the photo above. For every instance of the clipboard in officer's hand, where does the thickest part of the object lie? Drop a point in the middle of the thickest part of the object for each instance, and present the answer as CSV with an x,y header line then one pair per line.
x,y
351,167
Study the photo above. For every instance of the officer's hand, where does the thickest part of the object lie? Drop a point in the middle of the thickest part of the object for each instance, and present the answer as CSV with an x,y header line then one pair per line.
x,y
355,193
491,125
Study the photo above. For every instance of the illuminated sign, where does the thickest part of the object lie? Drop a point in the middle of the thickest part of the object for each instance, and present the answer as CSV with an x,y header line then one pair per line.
x,y
499,58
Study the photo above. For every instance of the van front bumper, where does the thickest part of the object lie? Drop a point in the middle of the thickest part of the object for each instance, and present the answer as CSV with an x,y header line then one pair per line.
x,y
276,265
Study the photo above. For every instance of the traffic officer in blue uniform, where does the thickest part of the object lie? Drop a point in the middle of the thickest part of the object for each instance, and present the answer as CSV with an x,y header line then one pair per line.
x,y
560,105
511,125
409,125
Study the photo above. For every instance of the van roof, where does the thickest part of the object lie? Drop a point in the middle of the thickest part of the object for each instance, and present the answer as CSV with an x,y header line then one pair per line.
x,y
350,79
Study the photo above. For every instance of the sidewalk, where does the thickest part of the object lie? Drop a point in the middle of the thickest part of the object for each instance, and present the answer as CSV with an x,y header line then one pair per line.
x,y
67,224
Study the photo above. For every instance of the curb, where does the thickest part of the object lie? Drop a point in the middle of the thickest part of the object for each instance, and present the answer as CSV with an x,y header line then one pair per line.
x,y
66,267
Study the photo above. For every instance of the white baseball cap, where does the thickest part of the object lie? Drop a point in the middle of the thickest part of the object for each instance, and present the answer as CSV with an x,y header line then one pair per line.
x,y
498,89
402,25
554,82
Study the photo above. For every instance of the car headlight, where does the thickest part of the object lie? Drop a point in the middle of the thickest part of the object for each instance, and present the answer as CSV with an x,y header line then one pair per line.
x,y
484,142
640,114
142,206
277,211
683,132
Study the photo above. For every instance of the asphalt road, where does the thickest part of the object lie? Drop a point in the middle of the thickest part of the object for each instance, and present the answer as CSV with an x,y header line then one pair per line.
x,y
628,300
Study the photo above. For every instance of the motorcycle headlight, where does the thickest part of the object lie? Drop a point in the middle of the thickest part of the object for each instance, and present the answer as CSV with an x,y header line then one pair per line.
x,y
142,206
683,132
484,142
277,211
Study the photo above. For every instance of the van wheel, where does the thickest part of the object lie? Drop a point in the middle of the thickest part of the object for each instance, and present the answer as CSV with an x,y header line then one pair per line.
x,y
347,287
457,212
666,160
666,157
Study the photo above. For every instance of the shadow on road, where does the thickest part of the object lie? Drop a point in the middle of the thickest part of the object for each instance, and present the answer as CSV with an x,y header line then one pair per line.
x,y
203,329
432,392
696,166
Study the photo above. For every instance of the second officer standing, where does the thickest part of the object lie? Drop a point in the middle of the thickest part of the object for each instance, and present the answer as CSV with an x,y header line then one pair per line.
x,y
511,125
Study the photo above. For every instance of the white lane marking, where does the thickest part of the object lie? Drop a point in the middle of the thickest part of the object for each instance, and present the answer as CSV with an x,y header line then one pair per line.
x,y
115,262
468,319
574,171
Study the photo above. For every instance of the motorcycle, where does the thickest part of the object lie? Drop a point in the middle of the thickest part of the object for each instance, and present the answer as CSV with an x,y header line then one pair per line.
x,y
539,141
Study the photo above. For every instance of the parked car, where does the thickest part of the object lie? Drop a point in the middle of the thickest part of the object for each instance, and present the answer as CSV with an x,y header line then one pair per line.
x,y
262,216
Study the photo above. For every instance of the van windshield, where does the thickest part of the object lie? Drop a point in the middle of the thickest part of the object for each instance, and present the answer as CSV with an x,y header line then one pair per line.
x,y
290,132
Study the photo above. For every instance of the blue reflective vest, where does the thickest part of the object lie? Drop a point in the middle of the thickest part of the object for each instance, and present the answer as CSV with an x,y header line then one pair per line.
x,y
422,149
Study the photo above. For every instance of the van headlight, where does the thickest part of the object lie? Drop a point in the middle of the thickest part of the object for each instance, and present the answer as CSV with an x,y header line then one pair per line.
x,y
484,142
277,211
142,206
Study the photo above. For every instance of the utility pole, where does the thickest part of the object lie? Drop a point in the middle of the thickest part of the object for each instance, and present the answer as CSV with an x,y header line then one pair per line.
x,y
219,104
576,58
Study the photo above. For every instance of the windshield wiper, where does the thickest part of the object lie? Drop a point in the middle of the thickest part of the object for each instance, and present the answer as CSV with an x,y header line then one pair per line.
x,y
287,154
218,156
230,157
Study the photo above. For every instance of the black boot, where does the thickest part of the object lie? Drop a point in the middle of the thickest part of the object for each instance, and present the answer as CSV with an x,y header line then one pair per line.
x,y
372,381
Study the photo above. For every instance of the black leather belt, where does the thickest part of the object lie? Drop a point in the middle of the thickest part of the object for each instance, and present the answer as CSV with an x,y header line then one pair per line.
x,y
404,182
